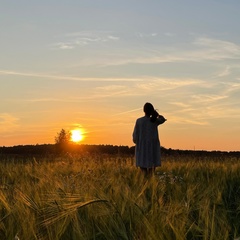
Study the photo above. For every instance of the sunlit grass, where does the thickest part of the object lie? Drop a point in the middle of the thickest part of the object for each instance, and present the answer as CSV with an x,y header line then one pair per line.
x,y
102,197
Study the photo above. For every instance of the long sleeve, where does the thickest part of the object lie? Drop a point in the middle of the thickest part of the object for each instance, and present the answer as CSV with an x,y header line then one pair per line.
x,y
160,120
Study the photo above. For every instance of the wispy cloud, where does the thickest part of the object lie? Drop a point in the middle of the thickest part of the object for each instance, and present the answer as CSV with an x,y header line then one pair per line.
x,y
219,45
231,86
8,122
225,72
145,87
215,49
204,104
209,97
71,78
129,111
64,46
114,38
180,104
146,35
169,34
200,49
161,84
111,88
189,121
45,100
79,39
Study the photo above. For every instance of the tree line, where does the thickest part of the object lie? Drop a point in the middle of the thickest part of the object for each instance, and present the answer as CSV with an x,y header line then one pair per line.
x,y
46,149
63,144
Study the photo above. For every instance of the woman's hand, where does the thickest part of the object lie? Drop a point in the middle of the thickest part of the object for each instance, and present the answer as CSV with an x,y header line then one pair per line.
x,y
162,118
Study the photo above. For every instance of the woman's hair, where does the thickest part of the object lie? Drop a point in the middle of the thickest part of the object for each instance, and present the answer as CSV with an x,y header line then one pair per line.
x,y
150,111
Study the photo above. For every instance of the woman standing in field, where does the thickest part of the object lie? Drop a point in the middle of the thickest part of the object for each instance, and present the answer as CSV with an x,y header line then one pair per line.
x,y
145,136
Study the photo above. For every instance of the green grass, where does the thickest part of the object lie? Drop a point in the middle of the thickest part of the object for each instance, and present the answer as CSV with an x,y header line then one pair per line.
x,y
102,197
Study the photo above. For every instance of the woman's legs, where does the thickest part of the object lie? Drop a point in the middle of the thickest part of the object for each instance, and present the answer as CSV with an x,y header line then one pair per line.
x,y
144,171
151,171
148,171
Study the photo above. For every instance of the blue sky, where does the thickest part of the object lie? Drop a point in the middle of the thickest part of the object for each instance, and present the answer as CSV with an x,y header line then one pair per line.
x,y
93,64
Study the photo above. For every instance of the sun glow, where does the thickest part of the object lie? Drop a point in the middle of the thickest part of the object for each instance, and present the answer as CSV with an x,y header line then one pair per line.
x,y
76,135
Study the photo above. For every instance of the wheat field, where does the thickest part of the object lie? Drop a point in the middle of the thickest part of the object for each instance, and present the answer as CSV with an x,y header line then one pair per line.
x,y
86,196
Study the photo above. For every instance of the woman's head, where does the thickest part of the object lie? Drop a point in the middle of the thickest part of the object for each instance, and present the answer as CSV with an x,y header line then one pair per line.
x,y
148,109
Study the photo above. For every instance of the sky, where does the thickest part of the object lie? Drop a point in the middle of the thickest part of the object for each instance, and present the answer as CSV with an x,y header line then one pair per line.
x,y
93,64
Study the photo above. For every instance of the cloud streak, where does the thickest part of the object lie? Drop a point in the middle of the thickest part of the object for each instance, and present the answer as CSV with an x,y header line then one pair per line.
x,y
200,49
126,112
80,39
70,78
8,122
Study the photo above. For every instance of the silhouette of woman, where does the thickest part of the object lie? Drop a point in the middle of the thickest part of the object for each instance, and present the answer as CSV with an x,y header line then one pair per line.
x,y
145,136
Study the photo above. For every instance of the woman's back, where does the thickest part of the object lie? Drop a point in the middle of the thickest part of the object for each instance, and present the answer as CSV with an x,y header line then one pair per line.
x,y
145,136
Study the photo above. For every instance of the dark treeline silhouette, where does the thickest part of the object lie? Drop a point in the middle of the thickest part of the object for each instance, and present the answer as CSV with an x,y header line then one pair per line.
x,y
201,154
53,149
46,149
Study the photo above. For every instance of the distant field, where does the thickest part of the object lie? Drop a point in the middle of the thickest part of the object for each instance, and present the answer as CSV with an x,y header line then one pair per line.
x,y
106,197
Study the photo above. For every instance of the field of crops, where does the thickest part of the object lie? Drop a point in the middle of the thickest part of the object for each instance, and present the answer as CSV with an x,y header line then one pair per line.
x,y
106,197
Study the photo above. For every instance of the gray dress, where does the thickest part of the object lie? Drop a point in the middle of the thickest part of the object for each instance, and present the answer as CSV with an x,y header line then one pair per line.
x,y
145,136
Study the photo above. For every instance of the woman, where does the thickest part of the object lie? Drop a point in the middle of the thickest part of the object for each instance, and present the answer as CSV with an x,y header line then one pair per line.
x,y
145,136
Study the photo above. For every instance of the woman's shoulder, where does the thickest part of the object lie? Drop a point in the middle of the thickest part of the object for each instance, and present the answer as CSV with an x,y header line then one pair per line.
x,y
143,118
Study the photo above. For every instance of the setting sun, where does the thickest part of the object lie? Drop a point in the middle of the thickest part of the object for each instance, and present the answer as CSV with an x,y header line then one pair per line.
x,y
76,135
